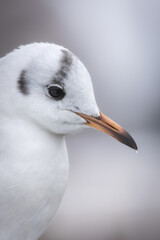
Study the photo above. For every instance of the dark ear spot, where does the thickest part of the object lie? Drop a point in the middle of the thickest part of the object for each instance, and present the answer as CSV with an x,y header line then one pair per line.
x,y
22,83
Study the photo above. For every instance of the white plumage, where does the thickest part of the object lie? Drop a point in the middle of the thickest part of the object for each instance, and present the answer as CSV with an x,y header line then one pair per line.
x,y
33,160
33,155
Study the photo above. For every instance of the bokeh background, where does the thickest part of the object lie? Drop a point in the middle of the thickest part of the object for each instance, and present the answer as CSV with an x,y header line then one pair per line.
x,y
113,193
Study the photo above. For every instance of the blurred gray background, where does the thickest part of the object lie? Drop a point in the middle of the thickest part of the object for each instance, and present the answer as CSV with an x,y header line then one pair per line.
x,y
113,193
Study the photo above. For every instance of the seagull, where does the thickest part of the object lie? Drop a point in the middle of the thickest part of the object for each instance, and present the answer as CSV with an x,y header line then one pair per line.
x,y
45,93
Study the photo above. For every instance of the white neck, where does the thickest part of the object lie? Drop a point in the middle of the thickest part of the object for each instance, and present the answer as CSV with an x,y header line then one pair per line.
x,y
35,165
28,138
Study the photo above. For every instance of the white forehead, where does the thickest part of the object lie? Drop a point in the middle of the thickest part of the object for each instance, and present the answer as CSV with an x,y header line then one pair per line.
x,y
79,88
43,58
46,60
42,62
55,63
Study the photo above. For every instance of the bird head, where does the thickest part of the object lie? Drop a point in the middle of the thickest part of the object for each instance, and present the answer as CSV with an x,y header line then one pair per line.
x,y
54,90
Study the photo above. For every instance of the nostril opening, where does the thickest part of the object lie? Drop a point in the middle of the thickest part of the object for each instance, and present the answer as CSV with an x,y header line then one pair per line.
x,y
98,117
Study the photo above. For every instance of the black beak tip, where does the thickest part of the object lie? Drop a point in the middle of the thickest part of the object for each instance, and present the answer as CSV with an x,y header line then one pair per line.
x,y
134,146
129,141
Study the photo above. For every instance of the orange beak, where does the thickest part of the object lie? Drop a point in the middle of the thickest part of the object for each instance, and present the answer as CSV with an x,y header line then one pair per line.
x,y
105,124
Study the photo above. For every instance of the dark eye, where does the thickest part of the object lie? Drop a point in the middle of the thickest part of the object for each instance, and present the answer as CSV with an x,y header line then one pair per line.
x,y
56,92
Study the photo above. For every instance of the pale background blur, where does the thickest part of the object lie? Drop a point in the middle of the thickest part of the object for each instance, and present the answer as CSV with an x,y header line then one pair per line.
x,y
113,193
